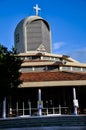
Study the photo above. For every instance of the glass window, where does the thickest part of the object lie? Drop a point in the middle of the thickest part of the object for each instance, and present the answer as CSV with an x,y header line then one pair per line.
x,y
77,69
39,68
52,67
66,68
26,69
84,69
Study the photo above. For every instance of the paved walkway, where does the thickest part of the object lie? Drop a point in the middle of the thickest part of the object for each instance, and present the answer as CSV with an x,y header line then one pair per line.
x,y
49,128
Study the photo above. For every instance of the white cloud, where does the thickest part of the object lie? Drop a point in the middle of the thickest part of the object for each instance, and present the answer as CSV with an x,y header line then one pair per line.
x,y
79,55
57,45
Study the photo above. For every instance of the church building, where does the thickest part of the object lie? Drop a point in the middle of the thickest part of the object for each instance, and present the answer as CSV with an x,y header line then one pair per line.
x,y
52,83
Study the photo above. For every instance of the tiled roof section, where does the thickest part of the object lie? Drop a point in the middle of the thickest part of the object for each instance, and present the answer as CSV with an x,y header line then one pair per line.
x,y
52,76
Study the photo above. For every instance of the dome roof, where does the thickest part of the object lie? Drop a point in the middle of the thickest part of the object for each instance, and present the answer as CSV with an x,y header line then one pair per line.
x,y
31,19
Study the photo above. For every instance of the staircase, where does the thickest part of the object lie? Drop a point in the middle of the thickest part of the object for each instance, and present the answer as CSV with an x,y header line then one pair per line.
x,y
43,121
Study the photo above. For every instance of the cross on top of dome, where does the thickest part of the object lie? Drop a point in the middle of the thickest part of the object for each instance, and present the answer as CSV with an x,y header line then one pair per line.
x,y
37,9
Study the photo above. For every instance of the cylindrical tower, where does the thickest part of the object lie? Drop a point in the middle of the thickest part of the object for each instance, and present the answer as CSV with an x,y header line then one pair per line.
x,y
32,34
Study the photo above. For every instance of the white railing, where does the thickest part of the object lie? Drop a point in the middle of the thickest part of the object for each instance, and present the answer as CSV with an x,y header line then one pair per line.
x,y
34,111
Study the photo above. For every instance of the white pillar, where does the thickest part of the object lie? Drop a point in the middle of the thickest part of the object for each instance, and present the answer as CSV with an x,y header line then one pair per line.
x,y
23,109
39,103
47,111
39,94
17,108
74,94
4,108
75,102
29,103
59,109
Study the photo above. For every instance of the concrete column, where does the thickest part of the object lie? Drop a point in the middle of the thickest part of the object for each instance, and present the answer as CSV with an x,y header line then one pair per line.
x,y
23,109
4,108
74,94
40,103
75,102
17,108
29,103
59,109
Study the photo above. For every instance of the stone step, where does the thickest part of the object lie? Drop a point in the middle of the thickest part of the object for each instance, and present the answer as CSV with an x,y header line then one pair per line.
x,y
44,121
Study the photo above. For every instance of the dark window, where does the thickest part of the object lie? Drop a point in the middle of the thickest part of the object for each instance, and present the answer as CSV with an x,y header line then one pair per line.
x,y
52,67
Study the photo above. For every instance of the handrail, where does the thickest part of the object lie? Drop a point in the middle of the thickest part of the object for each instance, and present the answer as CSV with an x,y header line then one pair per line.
x,y
34,111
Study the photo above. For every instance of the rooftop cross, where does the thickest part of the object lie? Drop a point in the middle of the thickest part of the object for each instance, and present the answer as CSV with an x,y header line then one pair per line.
x,y
37,9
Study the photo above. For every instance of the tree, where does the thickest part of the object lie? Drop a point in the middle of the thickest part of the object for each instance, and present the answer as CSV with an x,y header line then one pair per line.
x,y
10,65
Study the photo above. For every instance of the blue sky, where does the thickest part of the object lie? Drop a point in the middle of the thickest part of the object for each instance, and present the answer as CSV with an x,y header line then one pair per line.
x,y
67,20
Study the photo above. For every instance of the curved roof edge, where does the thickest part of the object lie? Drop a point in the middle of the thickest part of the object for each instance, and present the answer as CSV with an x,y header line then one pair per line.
x,y
30,19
